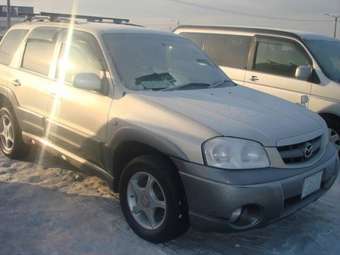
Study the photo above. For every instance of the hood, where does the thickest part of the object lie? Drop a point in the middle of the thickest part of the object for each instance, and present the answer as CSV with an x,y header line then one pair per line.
x,y
241,112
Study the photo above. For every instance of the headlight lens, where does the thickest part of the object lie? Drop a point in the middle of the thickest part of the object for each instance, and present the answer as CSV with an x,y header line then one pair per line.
x,y
234,153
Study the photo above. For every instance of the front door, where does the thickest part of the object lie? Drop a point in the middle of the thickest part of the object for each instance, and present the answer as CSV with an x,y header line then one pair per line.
x,y
79,125
273,69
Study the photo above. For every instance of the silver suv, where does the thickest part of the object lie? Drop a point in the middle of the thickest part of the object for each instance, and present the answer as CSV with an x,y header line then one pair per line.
x,y
154,115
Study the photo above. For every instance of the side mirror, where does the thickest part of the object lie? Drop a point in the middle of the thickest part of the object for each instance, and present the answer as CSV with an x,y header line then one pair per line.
x,y
87,81
303,72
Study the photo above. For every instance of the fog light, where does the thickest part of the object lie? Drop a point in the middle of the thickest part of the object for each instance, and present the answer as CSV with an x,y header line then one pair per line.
x,y
235,216
246,217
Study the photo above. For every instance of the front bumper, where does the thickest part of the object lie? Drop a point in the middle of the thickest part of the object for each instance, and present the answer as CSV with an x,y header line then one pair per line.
x,y
214,194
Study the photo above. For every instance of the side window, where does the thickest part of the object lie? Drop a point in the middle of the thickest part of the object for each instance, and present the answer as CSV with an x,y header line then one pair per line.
x,y
279,57
10,44
39,50
228,50
85,56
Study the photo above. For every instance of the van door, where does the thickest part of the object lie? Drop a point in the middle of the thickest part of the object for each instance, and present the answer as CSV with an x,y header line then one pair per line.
x,y
272,69
229,51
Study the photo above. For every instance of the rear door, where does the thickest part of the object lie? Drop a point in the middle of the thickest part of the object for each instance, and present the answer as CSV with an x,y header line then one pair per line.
x,y
30,78
273,65
229,51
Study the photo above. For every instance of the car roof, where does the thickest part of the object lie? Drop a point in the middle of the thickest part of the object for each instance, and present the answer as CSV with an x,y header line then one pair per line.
x,y
93,27
262,30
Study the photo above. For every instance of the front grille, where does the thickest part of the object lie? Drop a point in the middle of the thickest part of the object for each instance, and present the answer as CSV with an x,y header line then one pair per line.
x,y
301,152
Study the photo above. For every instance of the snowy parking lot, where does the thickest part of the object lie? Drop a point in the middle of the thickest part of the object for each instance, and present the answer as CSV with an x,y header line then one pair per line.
x,y
50,209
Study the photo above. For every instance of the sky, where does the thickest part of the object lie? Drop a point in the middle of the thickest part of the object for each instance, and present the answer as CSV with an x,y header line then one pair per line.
x,y
305,15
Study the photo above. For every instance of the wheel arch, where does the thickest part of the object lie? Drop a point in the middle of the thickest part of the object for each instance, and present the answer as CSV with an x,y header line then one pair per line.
x,y
7,95
329,116
130,143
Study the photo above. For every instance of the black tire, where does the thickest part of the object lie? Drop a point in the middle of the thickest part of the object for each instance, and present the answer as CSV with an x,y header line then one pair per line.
x,y
333,124
18,149
176,218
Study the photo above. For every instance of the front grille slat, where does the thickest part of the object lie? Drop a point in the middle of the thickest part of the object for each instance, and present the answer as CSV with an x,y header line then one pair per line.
x,y
296,153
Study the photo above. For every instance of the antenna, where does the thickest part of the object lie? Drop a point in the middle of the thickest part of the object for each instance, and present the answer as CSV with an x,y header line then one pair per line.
x,y
336,18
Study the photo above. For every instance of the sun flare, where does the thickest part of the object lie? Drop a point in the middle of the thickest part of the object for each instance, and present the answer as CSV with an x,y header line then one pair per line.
x,y
63,66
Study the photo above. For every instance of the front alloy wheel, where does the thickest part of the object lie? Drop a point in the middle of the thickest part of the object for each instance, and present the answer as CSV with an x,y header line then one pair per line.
x,y
146,200
152,199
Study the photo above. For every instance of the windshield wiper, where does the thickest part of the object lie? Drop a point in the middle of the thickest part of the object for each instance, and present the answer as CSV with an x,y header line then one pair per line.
x,y
154,80
220,83
192,85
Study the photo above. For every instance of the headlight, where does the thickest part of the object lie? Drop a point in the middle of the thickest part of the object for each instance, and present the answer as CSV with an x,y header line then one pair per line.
x,y
234,153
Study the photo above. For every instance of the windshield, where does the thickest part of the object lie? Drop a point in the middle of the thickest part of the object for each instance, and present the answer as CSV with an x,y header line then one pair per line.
x,y
161,62
327,53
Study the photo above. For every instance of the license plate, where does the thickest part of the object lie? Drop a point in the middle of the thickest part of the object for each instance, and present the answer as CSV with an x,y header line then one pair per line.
x,y
311,184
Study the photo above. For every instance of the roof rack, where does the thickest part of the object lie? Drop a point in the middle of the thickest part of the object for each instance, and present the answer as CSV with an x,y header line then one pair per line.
x,y
57,17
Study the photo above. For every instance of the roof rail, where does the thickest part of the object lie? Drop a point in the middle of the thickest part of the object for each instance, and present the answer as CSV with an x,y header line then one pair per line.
x,y
57,17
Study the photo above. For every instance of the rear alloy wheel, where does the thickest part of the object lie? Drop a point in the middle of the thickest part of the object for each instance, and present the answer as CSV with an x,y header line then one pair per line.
x,y
152,199
11,141
6,133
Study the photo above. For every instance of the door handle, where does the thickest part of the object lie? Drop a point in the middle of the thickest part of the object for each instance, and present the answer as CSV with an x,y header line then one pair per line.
x,y
16,83
304,100
254,78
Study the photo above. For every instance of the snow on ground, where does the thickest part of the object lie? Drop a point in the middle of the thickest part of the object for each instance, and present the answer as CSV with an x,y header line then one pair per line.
x,y
50,209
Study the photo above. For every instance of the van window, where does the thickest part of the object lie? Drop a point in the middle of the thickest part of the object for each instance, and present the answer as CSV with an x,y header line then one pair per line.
x,y
197,38
280,57
39,50
225,50
10,44
327,52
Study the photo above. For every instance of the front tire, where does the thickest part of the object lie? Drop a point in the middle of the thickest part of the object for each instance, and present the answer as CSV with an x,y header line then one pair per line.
x,y
152,199
11,141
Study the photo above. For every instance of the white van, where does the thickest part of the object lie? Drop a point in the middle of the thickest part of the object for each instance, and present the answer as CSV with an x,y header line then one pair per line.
x,y
300,67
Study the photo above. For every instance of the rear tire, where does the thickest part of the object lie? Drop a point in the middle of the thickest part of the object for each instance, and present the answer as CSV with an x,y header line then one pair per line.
x,y
171,219
11,141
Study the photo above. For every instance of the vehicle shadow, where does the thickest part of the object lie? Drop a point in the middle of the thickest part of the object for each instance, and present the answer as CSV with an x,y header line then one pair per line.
x,y
37,220
49,209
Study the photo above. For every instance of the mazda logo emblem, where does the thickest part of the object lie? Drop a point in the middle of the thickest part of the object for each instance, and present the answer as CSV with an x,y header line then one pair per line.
x,y
308,150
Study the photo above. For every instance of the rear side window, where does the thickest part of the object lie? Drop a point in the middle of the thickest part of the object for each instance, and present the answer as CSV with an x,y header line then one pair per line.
x,y
10,44
279,57
39,50
225,50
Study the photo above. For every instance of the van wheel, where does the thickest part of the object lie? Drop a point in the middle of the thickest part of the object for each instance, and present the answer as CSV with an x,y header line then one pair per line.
x,y
334,131
11,142
153,200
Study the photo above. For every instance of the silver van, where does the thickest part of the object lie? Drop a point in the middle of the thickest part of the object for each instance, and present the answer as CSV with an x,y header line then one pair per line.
x,y
300,67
